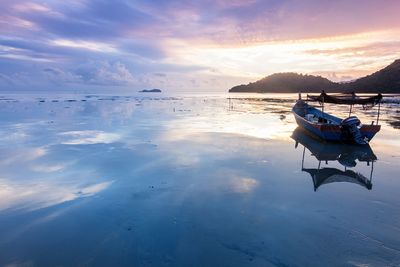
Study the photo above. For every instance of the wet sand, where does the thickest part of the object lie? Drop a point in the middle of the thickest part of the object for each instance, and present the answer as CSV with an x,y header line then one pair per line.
x,y
187,180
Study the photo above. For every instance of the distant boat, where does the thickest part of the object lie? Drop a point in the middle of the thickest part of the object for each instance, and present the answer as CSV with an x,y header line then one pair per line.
x,y
331,128
347,155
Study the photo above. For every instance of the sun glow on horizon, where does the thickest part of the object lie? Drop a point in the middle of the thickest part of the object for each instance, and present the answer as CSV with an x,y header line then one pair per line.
x,y
348,56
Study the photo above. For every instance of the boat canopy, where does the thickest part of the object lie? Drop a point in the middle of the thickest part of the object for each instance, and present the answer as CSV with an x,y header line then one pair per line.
x,y
345,99
333,175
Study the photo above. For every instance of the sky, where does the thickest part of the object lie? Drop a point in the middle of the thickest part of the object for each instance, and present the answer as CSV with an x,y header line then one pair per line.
x,y
189,46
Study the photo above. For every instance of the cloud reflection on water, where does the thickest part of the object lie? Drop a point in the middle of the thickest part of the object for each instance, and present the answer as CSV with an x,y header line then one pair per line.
x,y
89,137
21,155
41,194
47,167
244,185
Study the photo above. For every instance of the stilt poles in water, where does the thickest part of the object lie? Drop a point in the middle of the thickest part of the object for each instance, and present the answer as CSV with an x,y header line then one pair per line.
x,y
230,104
379,111
323,102
372,170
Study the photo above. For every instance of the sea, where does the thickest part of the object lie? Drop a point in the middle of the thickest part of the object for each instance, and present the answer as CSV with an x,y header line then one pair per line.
x,y
192,180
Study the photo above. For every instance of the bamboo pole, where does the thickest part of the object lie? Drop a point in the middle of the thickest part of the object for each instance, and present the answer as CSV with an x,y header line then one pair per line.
x,y
379,110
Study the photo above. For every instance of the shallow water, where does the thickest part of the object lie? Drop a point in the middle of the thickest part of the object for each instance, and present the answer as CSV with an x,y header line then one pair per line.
x,y
191,180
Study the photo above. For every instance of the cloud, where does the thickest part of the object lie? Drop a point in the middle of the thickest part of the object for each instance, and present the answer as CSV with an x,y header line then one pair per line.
x,y
106,73
223,21
6,80
339,76
376,49
105,42
31,7
94,73
93,46
58,76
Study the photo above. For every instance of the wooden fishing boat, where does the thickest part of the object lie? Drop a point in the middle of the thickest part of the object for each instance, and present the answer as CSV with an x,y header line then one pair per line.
x,y
331,128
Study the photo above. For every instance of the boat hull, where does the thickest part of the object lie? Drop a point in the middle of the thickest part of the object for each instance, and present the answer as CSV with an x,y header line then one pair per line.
x,y
333,132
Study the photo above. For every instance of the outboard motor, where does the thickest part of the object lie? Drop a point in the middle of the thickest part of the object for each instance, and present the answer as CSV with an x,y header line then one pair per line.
x,y
351,131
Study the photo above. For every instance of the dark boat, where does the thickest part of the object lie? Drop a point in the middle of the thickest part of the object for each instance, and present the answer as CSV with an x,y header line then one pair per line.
x,y
331,128
347,155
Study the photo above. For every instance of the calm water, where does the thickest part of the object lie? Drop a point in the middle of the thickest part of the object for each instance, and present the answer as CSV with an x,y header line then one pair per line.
x,y
191,180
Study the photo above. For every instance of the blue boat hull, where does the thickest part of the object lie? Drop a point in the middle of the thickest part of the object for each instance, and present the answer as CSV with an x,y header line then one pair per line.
x,y
331,131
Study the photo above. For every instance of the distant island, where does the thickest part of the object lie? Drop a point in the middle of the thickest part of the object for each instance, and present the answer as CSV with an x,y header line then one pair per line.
x,y
386,80
150,91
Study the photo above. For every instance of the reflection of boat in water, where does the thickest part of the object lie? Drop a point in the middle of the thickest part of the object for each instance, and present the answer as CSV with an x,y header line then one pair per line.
x,y
346,154
331,128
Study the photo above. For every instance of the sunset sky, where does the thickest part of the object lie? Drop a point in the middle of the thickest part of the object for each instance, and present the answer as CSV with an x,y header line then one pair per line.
x,y
189,46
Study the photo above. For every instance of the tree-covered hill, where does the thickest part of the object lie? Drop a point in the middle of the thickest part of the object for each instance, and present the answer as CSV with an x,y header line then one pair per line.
x,y
386,80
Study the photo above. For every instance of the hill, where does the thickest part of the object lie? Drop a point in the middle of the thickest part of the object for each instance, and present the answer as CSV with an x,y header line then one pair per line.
x,y
287,83
386,80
